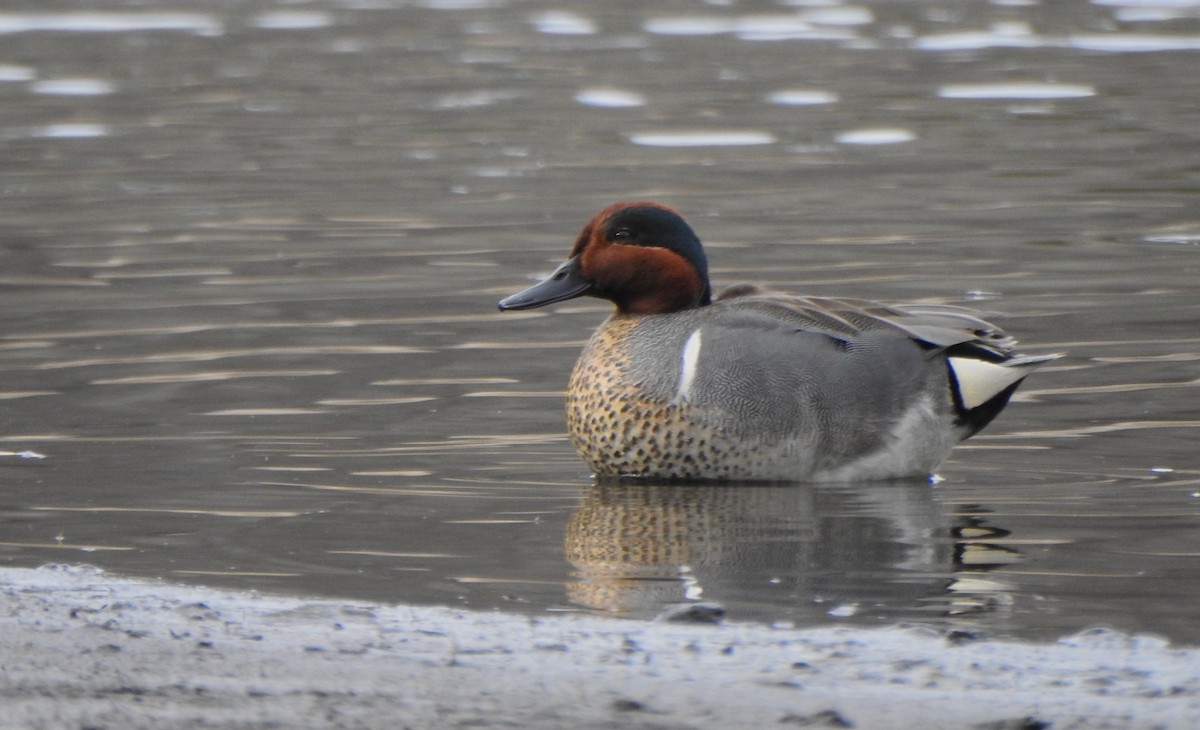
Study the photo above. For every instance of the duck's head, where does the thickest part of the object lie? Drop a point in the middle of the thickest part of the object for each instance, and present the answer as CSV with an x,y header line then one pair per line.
x,y
643,257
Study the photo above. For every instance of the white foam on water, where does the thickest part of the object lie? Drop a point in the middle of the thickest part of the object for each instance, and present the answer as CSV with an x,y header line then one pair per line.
x,y
1148,15
561,22
876,136
474,99
292,20
754,27
73,87
839,15
1016,90
1134,43
459,4
72,131
1018,35
1184,239
103,22
978,40
610,98
802,97
1148,3
689,26
16,73
731,138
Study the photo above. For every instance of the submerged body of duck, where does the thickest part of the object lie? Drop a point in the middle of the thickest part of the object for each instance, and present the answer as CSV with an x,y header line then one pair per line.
x,y
758,385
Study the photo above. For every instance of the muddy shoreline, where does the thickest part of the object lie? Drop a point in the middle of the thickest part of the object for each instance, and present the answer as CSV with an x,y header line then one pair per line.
x,y
83,648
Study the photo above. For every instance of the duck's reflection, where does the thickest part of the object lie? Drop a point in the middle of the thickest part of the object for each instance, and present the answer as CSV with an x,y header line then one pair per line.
x,y
881,550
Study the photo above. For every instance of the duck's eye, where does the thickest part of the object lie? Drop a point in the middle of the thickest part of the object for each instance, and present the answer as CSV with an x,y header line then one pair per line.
x,y
622,234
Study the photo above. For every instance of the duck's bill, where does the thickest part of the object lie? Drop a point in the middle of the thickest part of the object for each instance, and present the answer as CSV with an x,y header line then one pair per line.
x,y
566,282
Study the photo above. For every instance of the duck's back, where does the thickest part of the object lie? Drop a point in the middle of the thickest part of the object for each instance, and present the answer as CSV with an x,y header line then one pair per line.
x,y
764,386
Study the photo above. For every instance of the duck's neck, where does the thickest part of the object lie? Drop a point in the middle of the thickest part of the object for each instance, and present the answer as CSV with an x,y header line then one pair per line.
x,y
659,302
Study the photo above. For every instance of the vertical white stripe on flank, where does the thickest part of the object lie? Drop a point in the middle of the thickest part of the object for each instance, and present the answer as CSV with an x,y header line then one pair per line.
x,y
687,371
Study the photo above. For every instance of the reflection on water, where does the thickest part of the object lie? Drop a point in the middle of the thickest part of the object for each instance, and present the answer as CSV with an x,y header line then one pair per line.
x,y
249,259
815,549
884,552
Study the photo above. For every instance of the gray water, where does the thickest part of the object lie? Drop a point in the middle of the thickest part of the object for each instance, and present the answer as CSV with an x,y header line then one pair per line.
x,y
250,254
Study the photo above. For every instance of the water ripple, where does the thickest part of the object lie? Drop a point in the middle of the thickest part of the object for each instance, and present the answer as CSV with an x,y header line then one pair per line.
x,y
875,136
73,87
292,20
561,22
1016,90
208,355
104,22
716,138
610,98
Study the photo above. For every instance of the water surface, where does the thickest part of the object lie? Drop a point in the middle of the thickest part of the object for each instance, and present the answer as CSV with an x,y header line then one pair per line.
x,y
250,256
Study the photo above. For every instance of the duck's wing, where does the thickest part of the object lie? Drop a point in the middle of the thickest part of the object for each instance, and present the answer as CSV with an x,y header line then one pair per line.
x,y
984,366
938,327
982,357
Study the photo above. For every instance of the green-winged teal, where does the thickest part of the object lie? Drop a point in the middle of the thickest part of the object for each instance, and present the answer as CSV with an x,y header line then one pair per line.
x,y
758,385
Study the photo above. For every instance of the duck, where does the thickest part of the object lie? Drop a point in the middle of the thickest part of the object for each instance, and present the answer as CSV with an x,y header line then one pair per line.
x,y
759,385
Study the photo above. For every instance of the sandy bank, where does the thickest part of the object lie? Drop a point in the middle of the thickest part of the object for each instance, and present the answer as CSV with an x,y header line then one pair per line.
x,y
80,648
